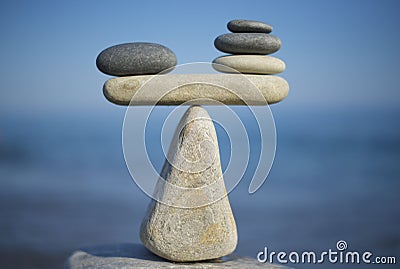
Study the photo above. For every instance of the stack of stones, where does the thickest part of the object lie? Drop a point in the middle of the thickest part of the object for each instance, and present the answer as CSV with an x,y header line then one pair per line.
x,y
139,58
191,220
250,42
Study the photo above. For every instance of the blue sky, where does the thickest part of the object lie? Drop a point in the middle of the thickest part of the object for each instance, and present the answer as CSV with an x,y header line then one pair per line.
x,y
338,53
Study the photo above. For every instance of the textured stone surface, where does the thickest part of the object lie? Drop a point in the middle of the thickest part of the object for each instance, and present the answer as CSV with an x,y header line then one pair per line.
x,y
247,43
130,256
249,64
135,59
248,26
193,176
148,89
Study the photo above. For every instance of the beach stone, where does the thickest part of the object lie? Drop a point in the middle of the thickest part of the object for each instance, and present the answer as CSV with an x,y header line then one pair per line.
x,y
249,64
249,26
132,256
229,89
135,59
201,225
247,43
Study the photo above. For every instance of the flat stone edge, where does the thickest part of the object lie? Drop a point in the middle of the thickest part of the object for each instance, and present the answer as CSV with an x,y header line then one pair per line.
x,y
121,256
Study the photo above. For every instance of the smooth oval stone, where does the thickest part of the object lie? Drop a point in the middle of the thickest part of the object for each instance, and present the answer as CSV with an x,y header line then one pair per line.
x,y
248,26
249,64
247,43
135,59
229,89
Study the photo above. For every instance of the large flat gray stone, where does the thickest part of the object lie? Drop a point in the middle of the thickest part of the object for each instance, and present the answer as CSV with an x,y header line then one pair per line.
x,y
176,89
129,256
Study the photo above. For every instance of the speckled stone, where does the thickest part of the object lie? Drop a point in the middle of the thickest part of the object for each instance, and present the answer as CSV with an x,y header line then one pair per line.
x,y
135,59
193,176
249,64
247,43
248,26
230,89
132,256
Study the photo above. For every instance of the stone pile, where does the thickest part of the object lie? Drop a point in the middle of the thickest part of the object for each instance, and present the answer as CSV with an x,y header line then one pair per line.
x,y
249,44
190,219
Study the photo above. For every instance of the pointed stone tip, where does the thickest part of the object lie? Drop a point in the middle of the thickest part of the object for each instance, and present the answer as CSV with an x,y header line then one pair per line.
x,y
195,112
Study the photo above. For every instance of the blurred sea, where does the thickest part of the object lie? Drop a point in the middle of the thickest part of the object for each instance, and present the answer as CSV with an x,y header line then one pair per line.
x,y
336,176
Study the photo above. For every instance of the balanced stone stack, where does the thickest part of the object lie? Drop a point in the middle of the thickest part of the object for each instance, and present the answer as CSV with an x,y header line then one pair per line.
x,y
249,43
190,219
138,63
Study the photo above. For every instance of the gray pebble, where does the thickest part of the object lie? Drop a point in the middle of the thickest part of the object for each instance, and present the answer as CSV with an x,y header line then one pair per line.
x,y
248,26
247,43
135,59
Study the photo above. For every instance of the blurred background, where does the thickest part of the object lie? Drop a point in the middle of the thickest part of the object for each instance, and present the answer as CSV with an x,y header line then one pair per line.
x,y
63,180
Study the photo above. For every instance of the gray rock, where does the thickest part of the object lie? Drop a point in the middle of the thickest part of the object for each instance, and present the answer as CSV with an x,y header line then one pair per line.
x,y
248,26
176,89
201,225
135,59
130,256
249,64
247,43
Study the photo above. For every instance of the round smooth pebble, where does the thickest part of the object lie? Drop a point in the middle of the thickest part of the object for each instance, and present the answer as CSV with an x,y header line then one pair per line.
x,y
248,26
249,64
137,58
248,43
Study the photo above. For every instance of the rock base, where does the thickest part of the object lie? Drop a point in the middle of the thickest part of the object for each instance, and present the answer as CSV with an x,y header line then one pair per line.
x,y
127,256
192,219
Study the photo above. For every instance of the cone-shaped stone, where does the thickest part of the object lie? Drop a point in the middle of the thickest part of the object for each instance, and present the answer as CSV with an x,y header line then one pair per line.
x,y
192,219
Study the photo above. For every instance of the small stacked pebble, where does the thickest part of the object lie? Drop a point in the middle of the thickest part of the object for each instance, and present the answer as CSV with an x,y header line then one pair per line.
x,y
250,42
137,58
